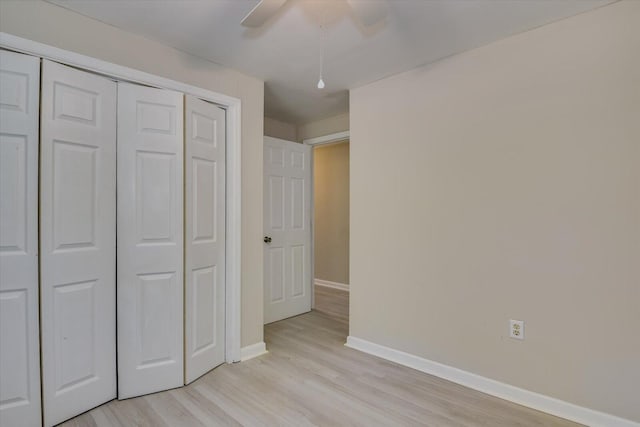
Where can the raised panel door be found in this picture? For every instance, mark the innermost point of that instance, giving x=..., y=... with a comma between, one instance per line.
x=19, y=330
x=150, y=240
x=77, y=228
x=205, y=237
x=287, y=208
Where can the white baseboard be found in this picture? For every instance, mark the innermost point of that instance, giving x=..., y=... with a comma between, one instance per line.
x=508, y=392
x=329, y=284
x=253, y=350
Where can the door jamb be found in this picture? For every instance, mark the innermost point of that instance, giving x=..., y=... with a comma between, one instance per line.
x=233, y=167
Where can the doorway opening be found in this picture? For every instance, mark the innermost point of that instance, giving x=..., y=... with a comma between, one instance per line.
x=306, y=227
x=331, y=229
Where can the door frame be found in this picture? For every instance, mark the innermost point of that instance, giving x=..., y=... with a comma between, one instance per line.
x=332, y=138
x=233, y=107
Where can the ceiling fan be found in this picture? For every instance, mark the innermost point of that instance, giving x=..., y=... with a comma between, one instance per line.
x=367, y=12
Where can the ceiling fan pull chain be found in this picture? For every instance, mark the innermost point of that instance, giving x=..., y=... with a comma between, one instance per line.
x=320, y=81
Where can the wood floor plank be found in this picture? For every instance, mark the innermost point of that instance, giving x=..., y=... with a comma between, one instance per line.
x=172, y=411
x=310, y=378
x=204, y=409
x=104, y=416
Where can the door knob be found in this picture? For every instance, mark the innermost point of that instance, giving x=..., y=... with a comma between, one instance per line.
x=267, y=239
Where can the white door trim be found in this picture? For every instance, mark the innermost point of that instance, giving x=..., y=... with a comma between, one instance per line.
x=327, y=139
x=234, y=182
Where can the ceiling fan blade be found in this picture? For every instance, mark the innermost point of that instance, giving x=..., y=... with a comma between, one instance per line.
x=369, y=12
x=261, y=13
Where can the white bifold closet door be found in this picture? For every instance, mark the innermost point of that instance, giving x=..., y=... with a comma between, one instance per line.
x=19, y=335
x=77, y=241
x=150, y=240
x=204, y=238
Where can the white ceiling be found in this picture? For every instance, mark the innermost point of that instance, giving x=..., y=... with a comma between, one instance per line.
x=286, y=51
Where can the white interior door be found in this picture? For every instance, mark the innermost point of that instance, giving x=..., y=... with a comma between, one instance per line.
x=287, y=224
x=150, y=240
x=19, y=331
x=204, y=237
x=77, y=241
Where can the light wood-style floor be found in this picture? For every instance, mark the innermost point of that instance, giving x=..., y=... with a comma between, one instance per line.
x=310, y=378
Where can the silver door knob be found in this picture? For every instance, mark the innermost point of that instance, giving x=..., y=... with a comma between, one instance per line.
x=267, y=239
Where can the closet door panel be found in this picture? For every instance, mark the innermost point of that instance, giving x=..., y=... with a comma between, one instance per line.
x=205, y=237
x=150, y=240
x=19, y=330
x=77, y=223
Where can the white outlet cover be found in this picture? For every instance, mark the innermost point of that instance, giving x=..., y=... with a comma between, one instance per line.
x=516, y=329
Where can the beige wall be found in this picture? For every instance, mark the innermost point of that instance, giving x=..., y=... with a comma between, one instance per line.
x=331, y=212
x=53, y=25
x=279, y=129
x=324, y=127
x=505, y=183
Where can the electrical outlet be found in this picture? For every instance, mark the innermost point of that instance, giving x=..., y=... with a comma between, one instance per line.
x=516, y=329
